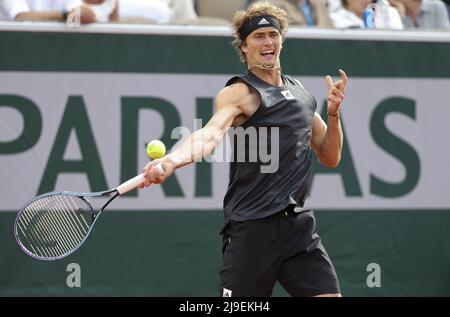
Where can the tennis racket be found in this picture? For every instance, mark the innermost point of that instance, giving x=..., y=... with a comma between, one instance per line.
x=54, y=225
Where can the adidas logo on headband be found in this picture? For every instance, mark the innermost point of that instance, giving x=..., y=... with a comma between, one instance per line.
x=263, y=21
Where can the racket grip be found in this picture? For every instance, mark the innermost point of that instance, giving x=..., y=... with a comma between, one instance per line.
x=135, y=182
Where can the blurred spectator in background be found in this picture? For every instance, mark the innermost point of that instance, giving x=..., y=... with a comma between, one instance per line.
x=350, y=15
x=182, y=10
x=388, y=15
x=44, y=10
x=424, y=14
x=144, y=11
x=156, y=11
x=305, y=12
x=105, y=10
x=315, y=12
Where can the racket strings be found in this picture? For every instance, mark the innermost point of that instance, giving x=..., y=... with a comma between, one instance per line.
x=54, y=225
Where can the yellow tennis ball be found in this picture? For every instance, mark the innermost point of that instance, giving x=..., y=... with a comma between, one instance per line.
x=156, y=149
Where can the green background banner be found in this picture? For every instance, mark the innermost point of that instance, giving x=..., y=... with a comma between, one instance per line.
x=138, y=53
x=176, y=251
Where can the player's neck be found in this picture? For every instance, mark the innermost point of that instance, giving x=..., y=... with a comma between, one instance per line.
x=271, y=76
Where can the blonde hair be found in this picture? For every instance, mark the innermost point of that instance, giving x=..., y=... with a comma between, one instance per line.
x=256, y=9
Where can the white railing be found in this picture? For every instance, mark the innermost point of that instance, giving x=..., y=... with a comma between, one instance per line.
x=194, y=30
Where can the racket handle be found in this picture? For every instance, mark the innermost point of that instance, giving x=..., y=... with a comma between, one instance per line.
x=135, y=182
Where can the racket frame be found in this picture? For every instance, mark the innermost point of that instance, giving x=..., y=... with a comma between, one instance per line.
x=122, y=189
x=95, y=214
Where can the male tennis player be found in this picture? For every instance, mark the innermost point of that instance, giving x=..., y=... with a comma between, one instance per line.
x=268, y=235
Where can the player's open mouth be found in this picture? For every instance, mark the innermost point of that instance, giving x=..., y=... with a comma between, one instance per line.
x=268, y=52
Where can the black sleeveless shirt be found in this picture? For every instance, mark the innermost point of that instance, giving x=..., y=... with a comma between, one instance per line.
x=253, y=194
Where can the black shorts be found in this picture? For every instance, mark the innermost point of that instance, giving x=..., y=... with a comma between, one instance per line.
x=283, y=247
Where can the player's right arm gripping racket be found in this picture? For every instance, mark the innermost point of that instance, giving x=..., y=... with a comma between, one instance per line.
x=53, y=225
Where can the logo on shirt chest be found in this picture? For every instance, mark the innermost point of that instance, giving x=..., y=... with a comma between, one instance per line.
x=287, y=94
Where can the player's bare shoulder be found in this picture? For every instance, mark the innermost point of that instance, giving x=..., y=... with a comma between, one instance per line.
x=242, y=96
x=233, y=94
